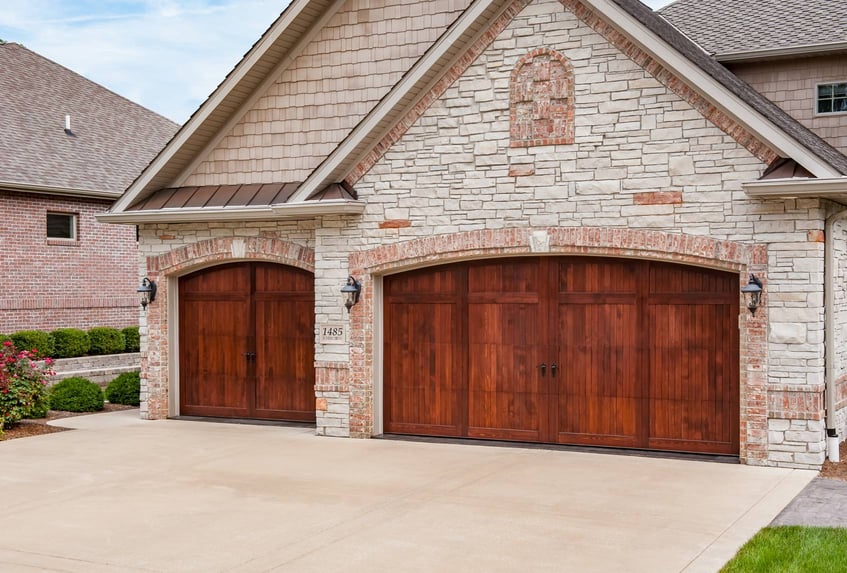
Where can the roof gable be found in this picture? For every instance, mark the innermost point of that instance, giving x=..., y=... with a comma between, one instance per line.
x=111, y=139
x=637, y=31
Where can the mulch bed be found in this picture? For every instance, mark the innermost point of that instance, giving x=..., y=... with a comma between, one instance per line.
x=839, y=470
x=27, y=428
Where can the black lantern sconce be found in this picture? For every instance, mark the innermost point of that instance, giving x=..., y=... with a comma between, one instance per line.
x=148, y=292
x=752, y=293
x=351, y=290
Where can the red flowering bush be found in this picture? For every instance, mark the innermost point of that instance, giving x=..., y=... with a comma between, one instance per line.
x=23, y=383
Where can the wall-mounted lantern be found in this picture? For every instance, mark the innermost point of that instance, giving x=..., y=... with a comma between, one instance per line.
x=752, y=293
x=351, y=290
x=147, y=288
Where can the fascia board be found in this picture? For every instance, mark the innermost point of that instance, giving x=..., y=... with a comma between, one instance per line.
x=796, y=187
x=267, y=213
x=209, y=106
x=712, y=89
x=769, y=53
x=317, y=178
x=63, y=191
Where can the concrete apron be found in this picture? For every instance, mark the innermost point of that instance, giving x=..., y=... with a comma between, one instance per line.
x=120, y=494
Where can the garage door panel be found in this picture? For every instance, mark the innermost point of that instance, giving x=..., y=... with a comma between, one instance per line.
x=422, y=375
x=285, y=343
x=210, y=361
x=692, y=386
x=599, y=397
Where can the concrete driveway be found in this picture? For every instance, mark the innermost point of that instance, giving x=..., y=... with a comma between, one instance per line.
x=119, y=494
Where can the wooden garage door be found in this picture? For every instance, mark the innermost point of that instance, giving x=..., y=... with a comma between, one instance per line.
x=569, y=350
x=246, y=342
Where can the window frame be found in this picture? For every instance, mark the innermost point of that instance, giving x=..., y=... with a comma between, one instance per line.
x=74, y=227
x=817, y=98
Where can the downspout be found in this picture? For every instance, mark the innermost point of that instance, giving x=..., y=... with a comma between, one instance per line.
x=832, y=441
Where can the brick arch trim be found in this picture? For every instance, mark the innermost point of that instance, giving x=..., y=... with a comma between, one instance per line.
x=224, y=249
x=545, y=116
x=636, y=243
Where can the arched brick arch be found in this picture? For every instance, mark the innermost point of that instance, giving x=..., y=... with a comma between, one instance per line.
x=155, y=367
x=541, y=100
x=635, y=243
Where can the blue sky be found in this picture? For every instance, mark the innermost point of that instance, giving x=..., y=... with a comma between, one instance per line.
x=167, y=55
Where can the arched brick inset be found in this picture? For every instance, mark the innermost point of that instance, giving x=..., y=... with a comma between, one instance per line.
x=210, y=251
x=636, y=243
x=541, y=100
x=155, y=354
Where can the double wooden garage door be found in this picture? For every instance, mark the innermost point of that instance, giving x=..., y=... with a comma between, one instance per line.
x=246, y=342
x=575, y=350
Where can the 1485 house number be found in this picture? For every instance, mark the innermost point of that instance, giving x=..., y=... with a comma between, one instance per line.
x=330, y=333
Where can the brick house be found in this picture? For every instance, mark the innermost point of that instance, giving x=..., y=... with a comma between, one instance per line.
x=69, y=148
x=550, y=208
x=795, y=56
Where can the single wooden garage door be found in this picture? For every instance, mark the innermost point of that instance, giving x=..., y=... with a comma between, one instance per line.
x=570, y=350
x=246, y=342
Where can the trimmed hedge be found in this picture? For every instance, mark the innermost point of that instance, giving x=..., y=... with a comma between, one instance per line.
x=69, y=342
x=76, y=394
x=125, y=389
x=132, y=338
x=106, y=340
x=36, y=340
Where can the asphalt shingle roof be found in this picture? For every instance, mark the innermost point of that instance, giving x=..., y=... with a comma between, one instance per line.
x=112, y=141
x=730, y=26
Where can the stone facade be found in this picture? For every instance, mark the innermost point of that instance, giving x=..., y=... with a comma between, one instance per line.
x=653, y=172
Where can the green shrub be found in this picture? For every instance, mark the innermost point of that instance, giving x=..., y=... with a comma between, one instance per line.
x=4, y=338
x=76, y=394
x=36, y=340
x=40, y=406
x=23, y=384
x=70, y=343
x=132, y=338
x=125, y=389
x=105, y=340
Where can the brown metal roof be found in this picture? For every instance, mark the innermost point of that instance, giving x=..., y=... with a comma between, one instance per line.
x=110, y=142
x=253, y=195
x=785, y=168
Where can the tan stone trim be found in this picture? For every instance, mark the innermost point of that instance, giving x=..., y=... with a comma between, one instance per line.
x=637, y=243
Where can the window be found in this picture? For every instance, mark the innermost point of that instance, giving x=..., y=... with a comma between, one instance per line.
x=61, y=226
x=832, y=98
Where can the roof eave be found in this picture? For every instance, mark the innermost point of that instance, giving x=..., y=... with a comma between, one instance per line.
x=63, y=191
x=301, y=210
x=774, y=53
x=834, y=189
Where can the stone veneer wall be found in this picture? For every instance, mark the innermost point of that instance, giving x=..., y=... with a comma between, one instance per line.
x=839, y=239
x=646, y=176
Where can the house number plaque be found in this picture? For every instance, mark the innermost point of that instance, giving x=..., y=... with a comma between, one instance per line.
x=332, y=333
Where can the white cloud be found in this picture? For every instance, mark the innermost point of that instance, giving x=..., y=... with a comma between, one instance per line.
x=166, y=55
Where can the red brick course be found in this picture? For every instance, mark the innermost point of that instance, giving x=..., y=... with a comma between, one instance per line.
x=57, y=284
x=658, y=198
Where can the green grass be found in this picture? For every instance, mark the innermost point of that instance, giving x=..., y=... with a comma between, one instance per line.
x=793, y=550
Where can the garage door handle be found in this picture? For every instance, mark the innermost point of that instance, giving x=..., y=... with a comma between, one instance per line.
x=543, y=367
x=553, y=368
x=250, y=356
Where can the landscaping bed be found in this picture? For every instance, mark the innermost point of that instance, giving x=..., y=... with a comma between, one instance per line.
x=37, y=427
x=839, y=470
